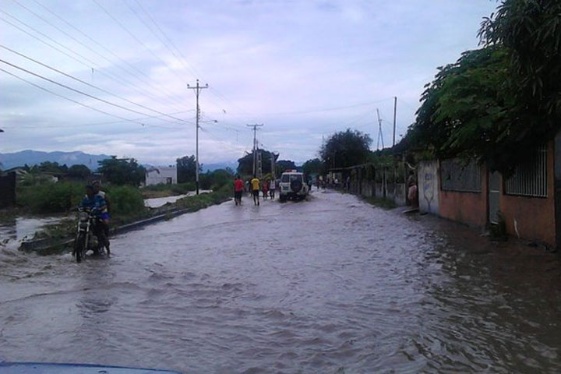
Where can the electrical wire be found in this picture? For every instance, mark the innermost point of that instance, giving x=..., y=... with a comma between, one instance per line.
x=89, y=63
x=71, y=89
x=132, y=35
x=90, y=85
x=69, y=99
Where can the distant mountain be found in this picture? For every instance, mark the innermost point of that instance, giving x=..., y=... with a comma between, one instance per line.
x=11, y=160
x=221, y=165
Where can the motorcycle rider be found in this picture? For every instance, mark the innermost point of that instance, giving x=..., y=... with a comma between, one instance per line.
x=98, y=191
x=95, y=202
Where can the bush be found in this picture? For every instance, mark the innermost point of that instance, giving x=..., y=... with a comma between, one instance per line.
x=183, y=188
x=125, y=201
x=216, y=179
x=194, y=203
x=50, y=197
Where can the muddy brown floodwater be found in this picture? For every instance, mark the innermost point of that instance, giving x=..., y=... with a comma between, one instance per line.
x=330, y=285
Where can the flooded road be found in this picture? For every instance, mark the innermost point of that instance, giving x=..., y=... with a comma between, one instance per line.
x=330, y=285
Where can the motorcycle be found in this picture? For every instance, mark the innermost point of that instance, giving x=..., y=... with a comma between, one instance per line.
x=90, y=235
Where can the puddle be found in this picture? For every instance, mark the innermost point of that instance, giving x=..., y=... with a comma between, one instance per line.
x=21, y=228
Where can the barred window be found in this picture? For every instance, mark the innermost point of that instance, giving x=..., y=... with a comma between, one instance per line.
x=530, y=177
x=457, y=175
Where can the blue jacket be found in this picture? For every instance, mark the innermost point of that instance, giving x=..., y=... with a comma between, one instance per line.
x=95, y=202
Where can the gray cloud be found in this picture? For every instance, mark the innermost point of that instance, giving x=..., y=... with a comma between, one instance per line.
x=305, y=69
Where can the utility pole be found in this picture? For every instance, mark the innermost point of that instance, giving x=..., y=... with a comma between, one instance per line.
x=380, y=134
x=394, y=117
x=197, y=89
x=255, y=147
x=273, y=164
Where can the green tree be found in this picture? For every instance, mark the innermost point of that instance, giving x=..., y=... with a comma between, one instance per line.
x=49, y=167
x=214, y=180
x=314, y=166
x=530, y=33
x=245, y=164
x=79, y=171
x=344, y=149
x=283, y=165
x=464, y=111
x=187, y=169
x=125, y=171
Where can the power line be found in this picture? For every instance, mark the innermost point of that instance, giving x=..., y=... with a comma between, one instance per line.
x=88, y=84
x=122, y=81
x=69, y=99
x=132, y=35
x=89, y=63
x=168, y=44
x=72, y=89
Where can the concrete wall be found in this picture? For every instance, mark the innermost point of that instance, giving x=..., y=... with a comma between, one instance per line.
x=532, y=218
x=367, y=189
x=428, y=187
x=400, y=195
x=161, y=175
x=529, y=218
x=467, y=207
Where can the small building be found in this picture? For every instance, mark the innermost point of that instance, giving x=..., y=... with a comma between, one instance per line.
x=161, y=175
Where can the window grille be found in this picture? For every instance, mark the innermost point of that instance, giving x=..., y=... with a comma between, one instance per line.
x=458, y=176
x=530, y=177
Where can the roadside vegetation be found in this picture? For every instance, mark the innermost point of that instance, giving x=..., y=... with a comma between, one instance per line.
x=39, y=194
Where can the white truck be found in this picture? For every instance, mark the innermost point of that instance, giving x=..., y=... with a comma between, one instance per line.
x=293, y=186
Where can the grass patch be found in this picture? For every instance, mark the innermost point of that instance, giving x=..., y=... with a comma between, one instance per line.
x=204, y=200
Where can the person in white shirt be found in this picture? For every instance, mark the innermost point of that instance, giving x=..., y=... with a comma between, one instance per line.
x=272, y=187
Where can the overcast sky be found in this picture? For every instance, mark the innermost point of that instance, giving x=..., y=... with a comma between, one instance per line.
x=110, y=77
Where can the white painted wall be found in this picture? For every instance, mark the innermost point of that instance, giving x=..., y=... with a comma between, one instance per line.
x=161, y=175
x=428, y=185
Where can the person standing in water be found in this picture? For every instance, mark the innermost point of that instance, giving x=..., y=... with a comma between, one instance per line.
x=255, y=189
x=238, y=190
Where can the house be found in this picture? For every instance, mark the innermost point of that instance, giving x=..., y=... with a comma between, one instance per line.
x=161, y=175
x=524, y=203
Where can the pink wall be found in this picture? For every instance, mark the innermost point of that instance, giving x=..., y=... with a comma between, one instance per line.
x=533, y=217
x=466, y=207
x=525, y=217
